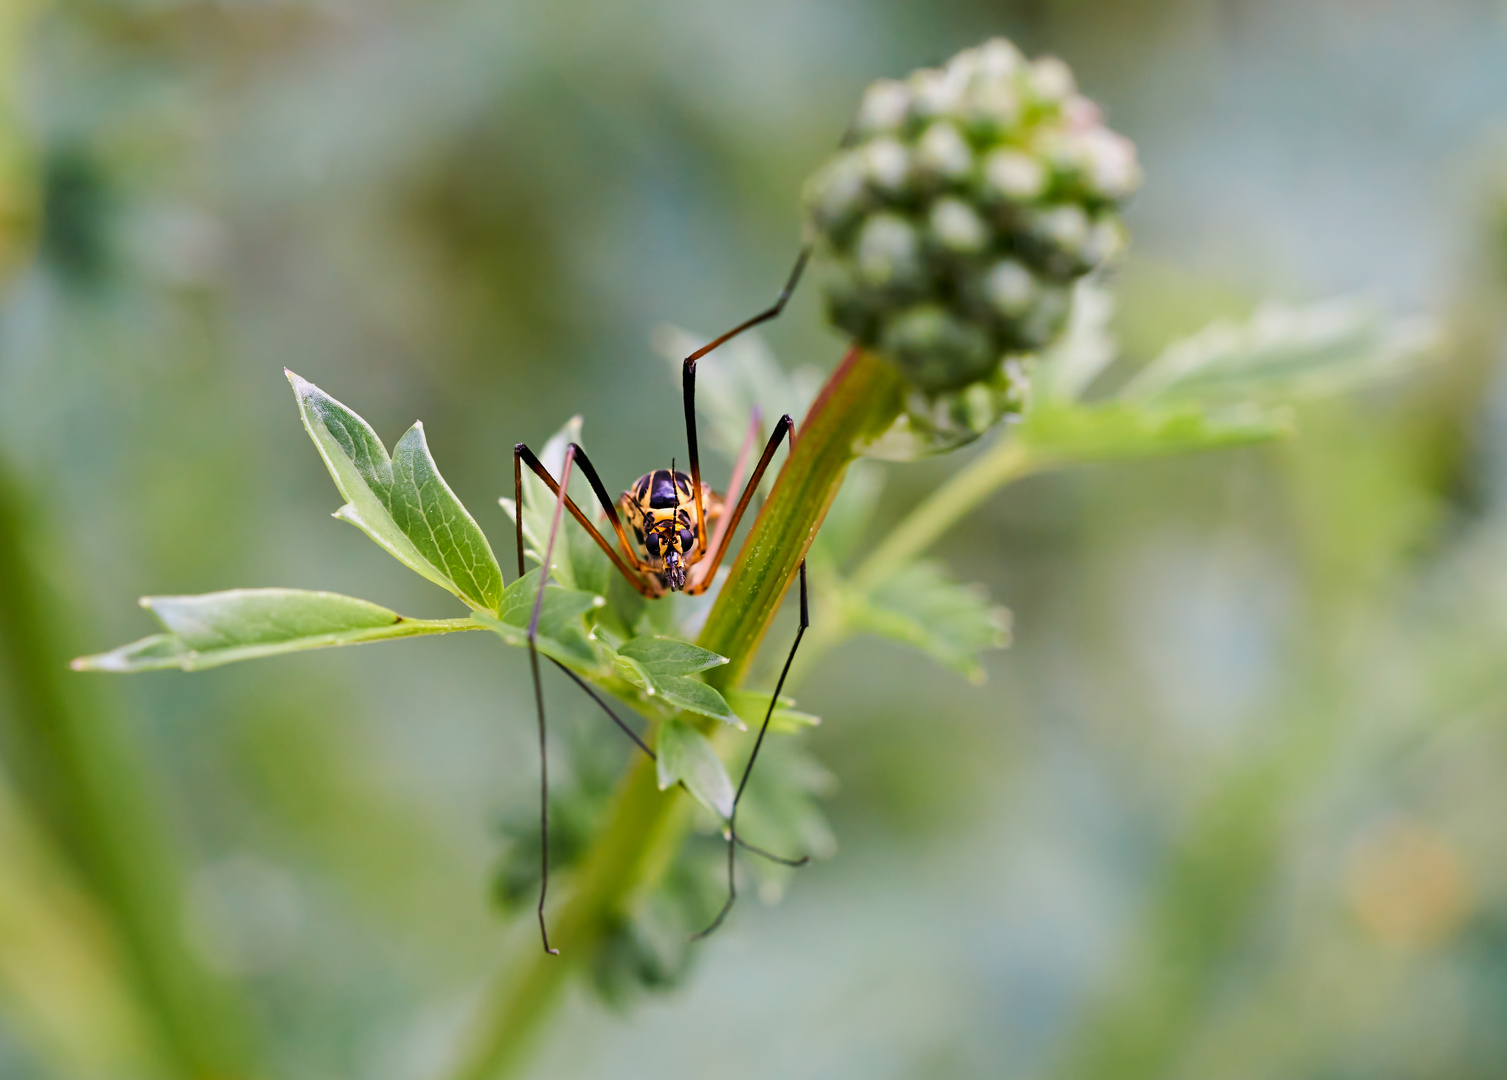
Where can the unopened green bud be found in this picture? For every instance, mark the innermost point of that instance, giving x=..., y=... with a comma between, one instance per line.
x=887, y=167
x=957, y=227
x=885, y=108
x=1050, y=81
x=954, y=225
x=930, y=344
x=943, y=155
x=1014, y=176
x=888, y=254
x=1010, y=288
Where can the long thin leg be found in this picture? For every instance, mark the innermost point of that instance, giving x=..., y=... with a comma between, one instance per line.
x=786, y=426
x=732, y=819
x=619, y=721
x=533, y=657
x=518, y=511
x=608, y=506
x=688, y=374
x=735, y=483
x=522, y=455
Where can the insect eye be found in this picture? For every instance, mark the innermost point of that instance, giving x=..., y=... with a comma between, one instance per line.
x=685, y=540
x=651, y=545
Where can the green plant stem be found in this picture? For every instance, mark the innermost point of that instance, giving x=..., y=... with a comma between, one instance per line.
x=644, y=826
x=859, y=401
x=1005, y=462
x=73, y=767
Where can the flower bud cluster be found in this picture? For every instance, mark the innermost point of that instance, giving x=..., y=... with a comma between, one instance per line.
x=968, y=201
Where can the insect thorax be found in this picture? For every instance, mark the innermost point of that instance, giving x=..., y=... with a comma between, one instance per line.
x=661, y=509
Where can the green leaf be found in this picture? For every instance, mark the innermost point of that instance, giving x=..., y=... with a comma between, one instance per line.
x=243, y=624
x=401, y=502
x=589, y=565
x=750, y=705
x=666, y=656
x=695, y=696
x=633, y=672
x=1285, y=351
x=1110, y=430
x=921, y=607
x=562, y=631
x=686, y=757
x=780, y=811
x=661, y=667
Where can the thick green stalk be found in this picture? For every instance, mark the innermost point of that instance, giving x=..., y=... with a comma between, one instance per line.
x=71, y=764
x=646, y=827
x=860, y=401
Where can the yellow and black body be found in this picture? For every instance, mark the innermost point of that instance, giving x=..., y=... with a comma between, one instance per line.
x=661, y=508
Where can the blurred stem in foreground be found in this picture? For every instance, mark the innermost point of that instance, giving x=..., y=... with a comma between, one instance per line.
x=61, y=974
x=645, y=827
x=97, y=980
x=69, y=761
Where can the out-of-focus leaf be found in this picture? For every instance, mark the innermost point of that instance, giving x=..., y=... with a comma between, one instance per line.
x=244, y=624
x=780, y=812
x=1085, y=349
x=685, y=756
x=1287, y=351
x=578, y=796
x=590, y=568
x=562, y=633
x=1109, y=430
x=921, y=607
x=751, y=704
x=733, y=380
x=401, y=501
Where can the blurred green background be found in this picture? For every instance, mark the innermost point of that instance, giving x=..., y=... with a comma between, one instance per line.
x=1231, y=804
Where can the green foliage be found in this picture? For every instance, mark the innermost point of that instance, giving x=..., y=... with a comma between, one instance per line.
x=686, y=757
x=401, y=502
x=1228, y=384
x=1117, y=430
x=660, y=667
x=561, y=633
x=785, y=718
x=781, y=811
x=244, y=624
x=1284, y=352
x=922, y=607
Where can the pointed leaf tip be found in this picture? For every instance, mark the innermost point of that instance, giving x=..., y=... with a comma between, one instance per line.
x=243, y=624
x=400, y=500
